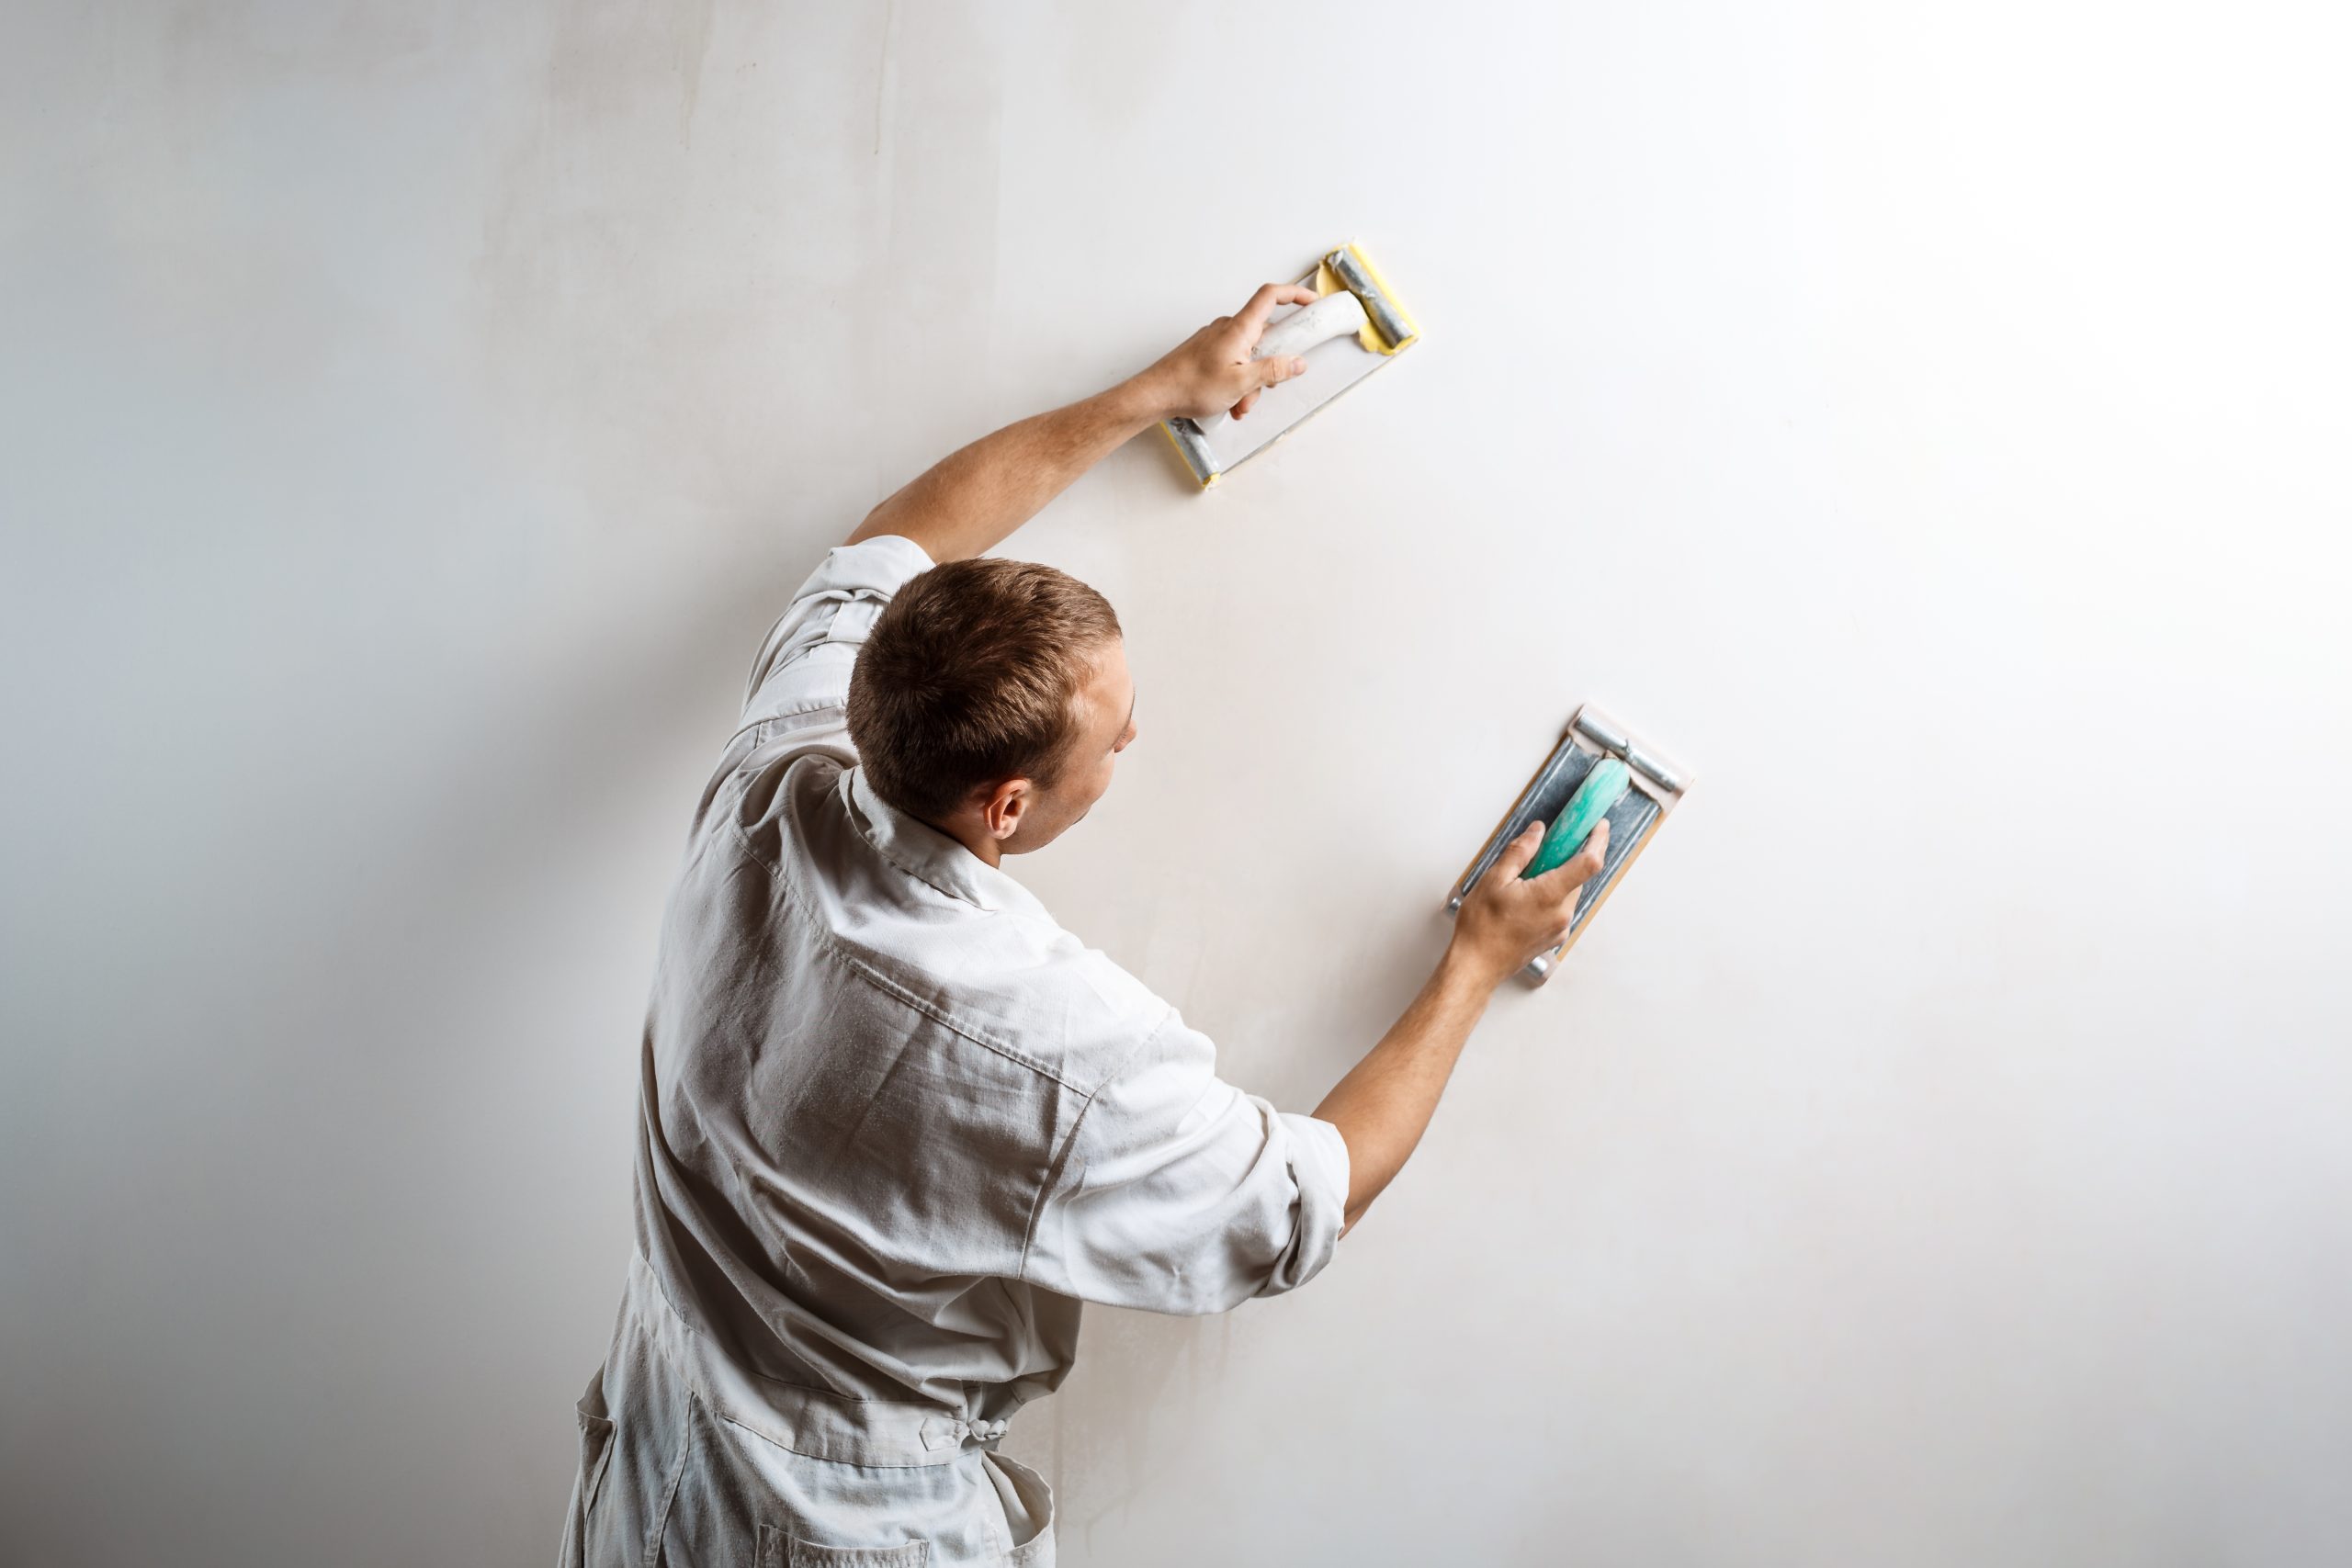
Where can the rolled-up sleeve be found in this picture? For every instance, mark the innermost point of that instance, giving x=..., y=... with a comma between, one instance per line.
x=1179, y=1193
x=804, y=662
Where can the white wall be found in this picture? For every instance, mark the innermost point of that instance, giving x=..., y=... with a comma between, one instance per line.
x=1930, y=425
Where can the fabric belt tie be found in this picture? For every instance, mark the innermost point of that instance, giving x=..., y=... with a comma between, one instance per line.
x=938, y=1431
x=873, y=1432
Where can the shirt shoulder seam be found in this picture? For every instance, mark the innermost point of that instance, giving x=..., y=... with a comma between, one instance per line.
x=873, y=978
x=819, y=704
x=761, y=678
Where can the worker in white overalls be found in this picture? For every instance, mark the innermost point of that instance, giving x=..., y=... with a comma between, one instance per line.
x=896, y=1124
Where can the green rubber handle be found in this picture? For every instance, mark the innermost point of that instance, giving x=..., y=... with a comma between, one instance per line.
x=1602, y=788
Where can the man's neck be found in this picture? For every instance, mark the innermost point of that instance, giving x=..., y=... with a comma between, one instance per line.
x=982, y=842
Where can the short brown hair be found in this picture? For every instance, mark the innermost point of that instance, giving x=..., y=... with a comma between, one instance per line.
x=969, y=677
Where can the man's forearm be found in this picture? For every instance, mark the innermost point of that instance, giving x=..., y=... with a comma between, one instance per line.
x=966, y=504
x=1385, y=1103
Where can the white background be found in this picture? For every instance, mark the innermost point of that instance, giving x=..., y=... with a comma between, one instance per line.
x=1927, y=423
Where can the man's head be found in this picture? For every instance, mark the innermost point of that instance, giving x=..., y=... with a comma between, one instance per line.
x=990, y=701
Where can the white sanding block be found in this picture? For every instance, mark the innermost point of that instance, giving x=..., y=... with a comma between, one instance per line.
x=1356, y=325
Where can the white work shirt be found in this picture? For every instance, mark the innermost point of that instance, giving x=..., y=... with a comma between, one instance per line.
x=896, y=1125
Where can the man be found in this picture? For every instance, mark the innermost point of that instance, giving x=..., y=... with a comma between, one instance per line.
x=896, y=1124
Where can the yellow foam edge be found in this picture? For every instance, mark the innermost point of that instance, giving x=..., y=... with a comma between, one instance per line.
x=1186, y=461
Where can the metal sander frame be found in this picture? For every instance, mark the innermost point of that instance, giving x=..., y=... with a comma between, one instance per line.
x=1658, y=787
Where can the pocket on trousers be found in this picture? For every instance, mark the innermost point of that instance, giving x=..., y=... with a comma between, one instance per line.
x=781, y=1548
x=595, y=1442
x=595, y=1454
x=1037, y=1501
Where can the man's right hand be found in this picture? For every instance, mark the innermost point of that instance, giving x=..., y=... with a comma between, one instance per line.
x=1213, y=370
x=1383, y=1106
x=1508, y=919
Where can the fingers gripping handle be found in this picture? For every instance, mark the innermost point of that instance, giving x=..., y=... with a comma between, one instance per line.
x=1334, y=315
x=1602, y=788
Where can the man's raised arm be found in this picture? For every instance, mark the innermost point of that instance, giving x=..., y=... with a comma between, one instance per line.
x=966, y=503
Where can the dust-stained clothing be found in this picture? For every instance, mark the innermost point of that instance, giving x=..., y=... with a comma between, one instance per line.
x=895, y=1126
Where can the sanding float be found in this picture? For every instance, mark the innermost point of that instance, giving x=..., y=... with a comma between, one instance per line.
x=1355, y=326
x=1598, y=772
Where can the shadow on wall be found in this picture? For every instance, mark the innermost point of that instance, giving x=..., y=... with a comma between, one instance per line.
x=1087, y=1440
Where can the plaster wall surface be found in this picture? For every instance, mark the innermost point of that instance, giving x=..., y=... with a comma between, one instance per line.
x=1926, y=422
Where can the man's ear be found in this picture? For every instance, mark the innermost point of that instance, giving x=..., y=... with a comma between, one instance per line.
x=1003, y=810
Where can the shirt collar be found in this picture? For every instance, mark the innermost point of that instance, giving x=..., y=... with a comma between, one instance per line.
x=929, y=856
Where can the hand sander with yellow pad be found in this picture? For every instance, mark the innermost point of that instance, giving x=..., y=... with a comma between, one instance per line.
x=1356, y=326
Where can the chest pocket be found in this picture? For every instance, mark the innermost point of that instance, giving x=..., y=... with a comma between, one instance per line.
x=779, y=1549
